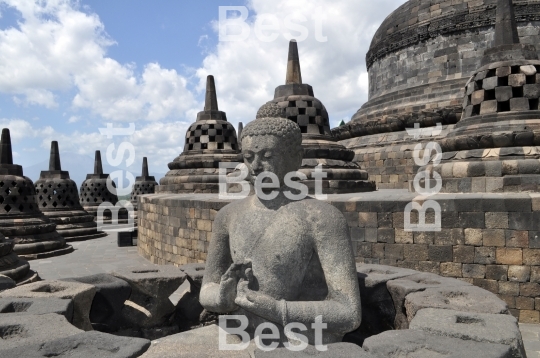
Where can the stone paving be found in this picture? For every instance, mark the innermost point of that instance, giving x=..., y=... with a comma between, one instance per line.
x=103, y=255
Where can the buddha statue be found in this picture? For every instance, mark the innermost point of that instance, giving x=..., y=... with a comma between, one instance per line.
x=274, y=258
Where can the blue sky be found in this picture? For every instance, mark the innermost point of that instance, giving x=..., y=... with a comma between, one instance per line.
x=69, y=67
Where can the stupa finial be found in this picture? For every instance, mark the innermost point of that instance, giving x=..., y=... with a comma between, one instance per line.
x=211, y=103
x=54, y=159
x=145, y=167
x=6, y=155
x=294, y=74
x=506, y=32
x=98, y=167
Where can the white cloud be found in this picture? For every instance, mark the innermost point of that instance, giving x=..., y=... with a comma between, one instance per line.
x=248, y=71
x=58, y=47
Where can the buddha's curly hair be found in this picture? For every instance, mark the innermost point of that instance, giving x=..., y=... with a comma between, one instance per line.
x=283, y=128
x=271, y=110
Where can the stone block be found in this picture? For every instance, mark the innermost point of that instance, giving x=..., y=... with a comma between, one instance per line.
x=535, y=274
x=519, y=104
x=488, y=285
x=400, y=288
x=504, y=71
x=529, y=316
x=490, y=83
x=473, y=271
x=464, y=254
x=415, y=252
x=488, y=107
x=81, y=294
x=497, y=272
x=83, y=345
x=477, y=97
x=367, y=219
x=496, y=220
x=22, y=330
x=531, y=257
x=531, y=91
x=473, y=237
x=525, y=303
x=515, y=238
x=528, y=70
x=37, y=306
x=194, y=274
x=507, y=256
x=484, y=255
x=477, y=327
x=504, y=93
x=509, y=288
x=529, y=289
x=440, y=253
x=415, y=343
x=517, y=80
x=450, y=269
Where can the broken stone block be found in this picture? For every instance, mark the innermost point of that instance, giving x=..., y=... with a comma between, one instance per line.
x=37, y=306
x=81, y=294
x=194, y=274
x=400, y=288
x=83, y=345
x=111, y=293
x=478, y=327
x=465, y=298
x=6, y=283
x=412, y=343
x=22, y=330
x=149, y=304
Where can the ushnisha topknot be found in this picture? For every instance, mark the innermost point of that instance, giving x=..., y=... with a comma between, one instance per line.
x=271, y=110
x=279, y=127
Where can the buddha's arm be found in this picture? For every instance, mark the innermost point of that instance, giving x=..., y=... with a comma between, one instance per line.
x=220, y=277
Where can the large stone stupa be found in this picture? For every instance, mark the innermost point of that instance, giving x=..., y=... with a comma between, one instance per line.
x=21, y=221
x=210, y=141
x=58, y=199
x=320, y=147
x=494, y=148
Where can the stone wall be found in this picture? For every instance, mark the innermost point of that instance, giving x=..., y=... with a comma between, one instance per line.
x=490, y=240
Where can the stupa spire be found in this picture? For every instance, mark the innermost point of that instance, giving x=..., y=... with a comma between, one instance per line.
x=6, y=155
x=98, y=167
x=145, y=167
x=294, y=74
x=506, y=32
x=211, y=103
x=54, y=159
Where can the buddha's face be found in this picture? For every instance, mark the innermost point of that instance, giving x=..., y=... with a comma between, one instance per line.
x=270, y=154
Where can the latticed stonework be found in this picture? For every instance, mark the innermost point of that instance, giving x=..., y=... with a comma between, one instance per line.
x=320, y=147
x=21, y=221
x=494, y=148
x=58, y=198
x=211, y=135
x=145, y=184
x=211, y=140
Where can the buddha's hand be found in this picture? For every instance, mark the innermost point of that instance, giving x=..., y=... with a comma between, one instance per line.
x=228, y=284
x=255, y=302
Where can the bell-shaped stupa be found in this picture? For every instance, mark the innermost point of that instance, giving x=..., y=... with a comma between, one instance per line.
x=58, y=199
x=145, y=184
x=94, y=192
x=12, y=265
x=494, y=148
x=320, y=147
x=211, y=140
x=21, y=221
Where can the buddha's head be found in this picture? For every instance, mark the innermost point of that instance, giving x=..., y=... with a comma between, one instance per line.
x=272, y=144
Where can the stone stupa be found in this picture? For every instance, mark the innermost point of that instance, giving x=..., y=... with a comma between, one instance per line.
x=145, y=184
x=320, y=147
x=494, y=148
x=21, y=221
x=94, y=192
x=210, y=141
x=58, y=199
x=12, y=265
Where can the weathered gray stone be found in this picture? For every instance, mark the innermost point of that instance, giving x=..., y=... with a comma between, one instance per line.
x=37, y=306
x=194, y=273
x=111, y=293
x=6, y=283
x=479, y=327
x=81, y=294
x=400, y=288
x=151, y=289
x=465, y=298
x=197, y=343
x=22, y=330
x=83, y=345
x=281, y=260
x=412, y=344
x=335, y=350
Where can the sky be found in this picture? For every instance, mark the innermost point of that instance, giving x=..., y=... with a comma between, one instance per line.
x=68, y=68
